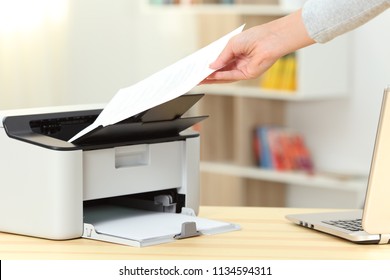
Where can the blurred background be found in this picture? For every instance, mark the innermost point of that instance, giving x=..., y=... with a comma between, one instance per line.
x=62, y=52
x=56, y=52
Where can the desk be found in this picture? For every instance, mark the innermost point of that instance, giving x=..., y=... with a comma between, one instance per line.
x=265, y=234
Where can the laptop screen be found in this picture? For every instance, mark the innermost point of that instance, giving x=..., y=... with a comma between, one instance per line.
x=376, y=213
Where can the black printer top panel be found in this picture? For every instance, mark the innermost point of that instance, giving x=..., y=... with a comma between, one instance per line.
x=158, y=124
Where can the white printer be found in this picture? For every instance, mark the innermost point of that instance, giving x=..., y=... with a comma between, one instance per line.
x=135, y=182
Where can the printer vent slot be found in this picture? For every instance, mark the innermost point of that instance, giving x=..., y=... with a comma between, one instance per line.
x=61, y=128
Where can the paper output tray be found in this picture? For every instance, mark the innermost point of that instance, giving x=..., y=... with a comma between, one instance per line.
x=141, y=228
x=161, y=121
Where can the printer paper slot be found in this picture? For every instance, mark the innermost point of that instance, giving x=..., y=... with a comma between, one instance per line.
x=140, y=228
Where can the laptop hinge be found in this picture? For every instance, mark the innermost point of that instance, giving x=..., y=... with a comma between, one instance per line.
x=384, y=238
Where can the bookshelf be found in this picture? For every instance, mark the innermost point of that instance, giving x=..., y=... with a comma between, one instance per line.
x=229, y=175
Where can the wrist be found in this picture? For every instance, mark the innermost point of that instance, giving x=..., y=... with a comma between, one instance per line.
x=290, y=34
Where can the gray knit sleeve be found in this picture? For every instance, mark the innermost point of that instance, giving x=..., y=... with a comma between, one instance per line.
x=326, y=19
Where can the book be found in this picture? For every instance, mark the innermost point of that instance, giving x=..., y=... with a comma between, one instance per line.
x=281, y=75
x=265, y=152
x=281, y=149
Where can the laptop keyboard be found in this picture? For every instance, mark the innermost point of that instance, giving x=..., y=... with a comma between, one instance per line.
x=351, y=225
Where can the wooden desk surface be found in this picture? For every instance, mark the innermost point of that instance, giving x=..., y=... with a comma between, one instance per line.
x=265, y=234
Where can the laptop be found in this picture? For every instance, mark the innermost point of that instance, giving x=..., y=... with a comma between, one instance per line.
x=372, y=224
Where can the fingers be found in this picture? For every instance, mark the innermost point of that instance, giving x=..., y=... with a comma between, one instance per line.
x=224, y=77
x=225, y=57
x=208, y=82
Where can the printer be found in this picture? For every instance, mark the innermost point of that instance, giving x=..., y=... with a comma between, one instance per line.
x=135, y=182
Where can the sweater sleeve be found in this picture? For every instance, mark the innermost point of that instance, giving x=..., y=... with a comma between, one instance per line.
x=326, y=19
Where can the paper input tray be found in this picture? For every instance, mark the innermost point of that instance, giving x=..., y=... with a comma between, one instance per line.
x=141, y=228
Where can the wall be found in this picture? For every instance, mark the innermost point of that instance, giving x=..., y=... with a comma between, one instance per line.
x=114, y=44
x=87, y=53
x=32, y=53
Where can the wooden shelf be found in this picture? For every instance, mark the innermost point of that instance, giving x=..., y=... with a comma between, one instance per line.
x=253, y=92
x=346, y=183
x=246, y=91
x=221, y=9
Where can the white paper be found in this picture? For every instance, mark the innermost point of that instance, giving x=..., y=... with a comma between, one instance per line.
x=167, y=84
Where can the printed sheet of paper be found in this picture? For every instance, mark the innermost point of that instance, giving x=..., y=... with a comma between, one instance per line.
x=167, y=84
